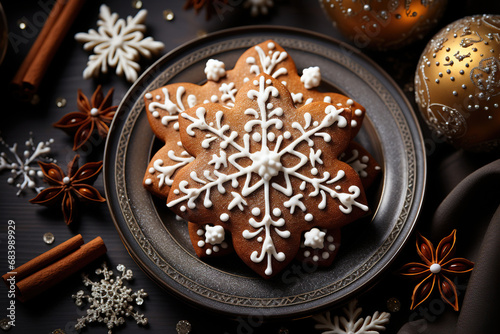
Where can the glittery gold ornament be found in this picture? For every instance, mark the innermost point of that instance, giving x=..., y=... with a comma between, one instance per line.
x=384, y=24
x=457, y=83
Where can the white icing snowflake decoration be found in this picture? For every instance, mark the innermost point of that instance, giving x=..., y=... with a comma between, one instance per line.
x=352, y=323
x=110, y=300
x=259, y=6
x=23, y=167
x=311, y=77
x=253, y=155
x=117, y=43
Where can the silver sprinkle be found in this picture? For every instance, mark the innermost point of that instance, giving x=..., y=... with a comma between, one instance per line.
x=183, y=327
x=48, y=238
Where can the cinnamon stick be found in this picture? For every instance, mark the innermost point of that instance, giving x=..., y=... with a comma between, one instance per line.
x=33, y=68
x=49, y=276
x=45, y=259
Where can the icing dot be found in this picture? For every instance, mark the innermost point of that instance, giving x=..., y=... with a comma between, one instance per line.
x=349, y=102
x=158, y=97
x=331, y=247
x=329, y=238
x=287, y=134
x=276, y=212
x=149, y=96
x=256, y=137
x=216, y=249
x=255, y=211
x=255, y=82
x=269, y=106
x=358, y=112
x=224, y=217
x=200, y=232
x=259, y=239
x=325, y=255
x=182, y=208
x=314, y=171
x=268, y=81
x=208, y=251
x=354, y=123
x=250, y=60
x=338, y=188
x=214, y=98
x=152, y=170
x=148, y=182
x=315, y=258
x=315, y=123
x=309, y=217
x=224, y=245
x=176, y=191
x=245, y=80
x=201, y=243
x=156, y=114
x=270, y=45
x=307, y=253
x=271, y=136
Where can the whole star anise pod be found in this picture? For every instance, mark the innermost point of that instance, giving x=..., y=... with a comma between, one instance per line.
x=438, y=264
x=68, y=190
x=93, y=115
x=212, y=6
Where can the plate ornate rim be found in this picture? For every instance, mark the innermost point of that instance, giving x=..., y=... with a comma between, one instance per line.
x=145, y=252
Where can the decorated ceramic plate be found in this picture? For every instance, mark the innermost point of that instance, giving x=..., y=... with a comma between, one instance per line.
x=160, y=243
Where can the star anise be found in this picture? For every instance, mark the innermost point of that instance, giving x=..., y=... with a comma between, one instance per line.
x=212, y=6
x=68, y=190
x=438, y=264
x=93, y=115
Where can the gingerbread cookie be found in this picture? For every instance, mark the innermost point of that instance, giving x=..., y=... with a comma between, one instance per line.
x=362, y=162
x=163, y=105
x=210, y=240
x=319, y=246
x=267, y=172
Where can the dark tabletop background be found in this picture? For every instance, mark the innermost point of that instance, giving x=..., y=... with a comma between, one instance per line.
x=55, y=308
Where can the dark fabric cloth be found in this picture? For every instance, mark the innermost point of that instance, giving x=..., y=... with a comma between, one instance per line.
x=473, y=208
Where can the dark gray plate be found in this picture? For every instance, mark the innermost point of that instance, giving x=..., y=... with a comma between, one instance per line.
x=160, y=244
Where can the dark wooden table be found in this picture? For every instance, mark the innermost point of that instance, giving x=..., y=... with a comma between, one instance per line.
x=55, y=308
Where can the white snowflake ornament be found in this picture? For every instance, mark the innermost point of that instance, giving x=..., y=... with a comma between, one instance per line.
x=352, y=323
x=110, y=300
x=259, y=6
x=23, y=166
x=117, y=43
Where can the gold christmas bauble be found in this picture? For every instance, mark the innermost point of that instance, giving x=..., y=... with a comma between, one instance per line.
x=384, y=24
x=457, y=83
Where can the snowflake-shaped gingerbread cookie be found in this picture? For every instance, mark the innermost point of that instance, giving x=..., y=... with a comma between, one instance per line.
x=164, y=104
x=267, y=172
x=117, y=43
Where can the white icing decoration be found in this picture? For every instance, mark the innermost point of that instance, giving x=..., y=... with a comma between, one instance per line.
x=314, y=238
x=268, y=63
x=358, y=112
x=201, y=243
x=172, y=108
x=297, y=98
x=215, y=69
x=358, y=164
x=311, y=77
x=117, y=43
x=214, y=235
x=165, y=173
x=224, y=217
x=200, y=232
x=266, y=163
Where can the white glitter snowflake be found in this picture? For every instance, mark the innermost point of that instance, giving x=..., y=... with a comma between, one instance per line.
x=117, y=43
x=23, y=166
x=259, y=6
x=110, y=300
x=352, y=324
